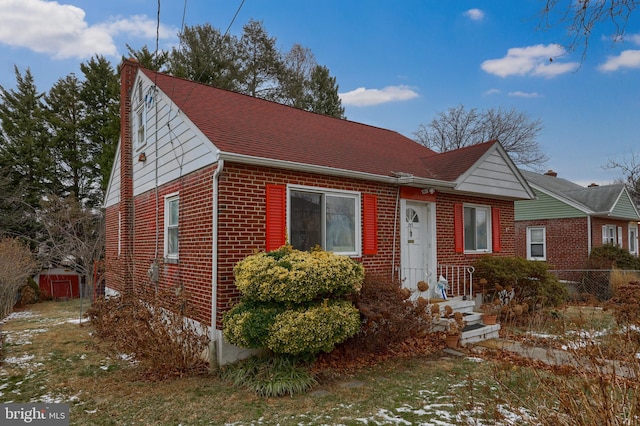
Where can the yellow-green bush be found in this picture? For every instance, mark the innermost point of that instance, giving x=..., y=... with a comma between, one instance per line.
x=293, y=276
x=292, y=301
x=316, y=329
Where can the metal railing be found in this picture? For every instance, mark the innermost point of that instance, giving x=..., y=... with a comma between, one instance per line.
x=458, y=279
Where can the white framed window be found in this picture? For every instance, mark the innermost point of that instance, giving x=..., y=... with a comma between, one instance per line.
x=477, y=229
x=620, y=236
x=536, y=243
x=326, y=218
x=139, y=120
x=609, y=235
x=139, y=128
x=171, y=222
x=633, y=239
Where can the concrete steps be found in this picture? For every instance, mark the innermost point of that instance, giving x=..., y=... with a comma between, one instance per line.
x=474, y=330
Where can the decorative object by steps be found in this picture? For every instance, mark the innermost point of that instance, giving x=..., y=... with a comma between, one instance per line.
x=490, y=319
x=490, y=311
x=454, y=328
x=451, y=340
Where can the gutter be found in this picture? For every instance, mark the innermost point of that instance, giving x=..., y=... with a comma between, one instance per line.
x=332, y=171
x=213, y=345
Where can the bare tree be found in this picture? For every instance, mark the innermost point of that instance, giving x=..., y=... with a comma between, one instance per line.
x=74, y=236
x=459, y=127
x=582, y=16
x=16, y=265
x=630, y=168
x=298, y=65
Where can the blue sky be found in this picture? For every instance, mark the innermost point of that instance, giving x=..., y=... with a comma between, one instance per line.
x=397, y=63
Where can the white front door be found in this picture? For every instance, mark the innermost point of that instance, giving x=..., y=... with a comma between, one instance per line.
x=417, y=240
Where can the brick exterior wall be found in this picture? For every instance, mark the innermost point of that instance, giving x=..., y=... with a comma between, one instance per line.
x=567, y=240
x=241, y=229
x=242, y=204
x=445, y=228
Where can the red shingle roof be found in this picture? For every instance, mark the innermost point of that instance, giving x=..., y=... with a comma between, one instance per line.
x=242, y=124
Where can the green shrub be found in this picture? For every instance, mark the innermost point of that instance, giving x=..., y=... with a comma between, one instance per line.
x=530, y=280
x=247, y=324
x=293, y=301
x=293, y=276
x=610, y=257
x=314, y=329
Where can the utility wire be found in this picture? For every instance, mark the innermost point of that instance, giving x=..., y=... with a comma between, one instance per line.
x=216, y=51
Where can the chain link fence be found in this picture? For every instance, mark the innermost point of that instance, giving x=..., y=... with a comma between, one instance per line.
x=586, y=284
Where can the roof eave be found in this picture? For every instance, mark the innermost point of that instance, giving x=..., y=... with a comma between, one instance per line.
x=332, y=171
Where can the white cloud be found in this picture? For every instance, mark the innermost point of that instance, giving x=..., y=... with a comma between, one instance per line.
x=519, y=94
x=368, y=97
x=61, y=31
x=138, y=25
x=626, y=59
x=538, y=60
x=492, y=92
x=474, y=14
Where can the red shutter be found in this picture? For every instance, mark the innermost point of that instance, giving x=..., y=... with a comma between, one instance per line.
x=276, y=223
x=458, y=227
x=495, y=229
x=370, y=224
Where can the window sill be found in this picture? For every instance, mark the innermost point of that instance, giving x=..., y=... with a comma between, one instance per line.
x=171, y=260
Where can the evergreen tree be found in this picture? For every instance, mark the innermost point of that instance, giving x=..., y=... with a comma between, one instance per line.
x=254, y=66
x=25, y=146
x=323, y=94
x=149, y=60
x=27, y=168
x=100, y=95
x=259, y=62
x=206, y=56
x=64, y=114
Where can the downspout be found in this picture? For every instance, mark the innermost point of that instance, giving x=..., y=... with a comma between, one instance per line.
x=395, y=230
x=589, y=235
x=213, y=345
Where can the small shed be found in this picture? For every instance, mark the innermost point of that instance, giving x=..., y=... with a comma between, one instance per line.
x=58, y=283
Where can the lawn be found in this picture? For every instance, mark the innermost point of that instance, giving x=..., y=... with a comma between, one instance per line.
x=49, y=356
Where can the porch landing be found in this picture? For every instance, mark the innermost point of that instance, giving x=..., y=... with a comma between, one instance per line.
x=474, y=330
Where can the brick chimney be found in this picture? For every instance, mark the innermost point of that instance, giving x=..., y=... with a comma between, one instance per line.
x=551, y=173
x=128, y=71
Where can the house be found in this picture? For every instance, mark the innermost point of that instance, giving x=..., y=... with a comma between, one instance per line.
x=566, y=221
x=205, y=177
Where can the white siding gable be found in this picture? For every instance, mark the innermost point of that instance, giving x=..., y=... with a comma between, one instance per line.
x=174, y=146
x=495, y=174
x=113, y=189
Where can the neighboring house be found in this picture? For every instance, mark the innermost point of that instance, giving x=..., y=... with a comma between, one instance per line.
x=567, y=220
x=205, y=177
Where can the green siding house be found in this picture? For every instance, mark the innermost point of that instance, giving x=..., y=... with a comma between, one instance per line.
x=565, y=220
